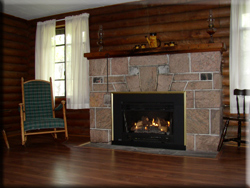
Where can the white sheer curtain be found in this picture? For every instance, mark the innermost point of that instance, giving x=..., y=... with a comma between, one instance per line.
x=239, y=58
x=45, y=50
x=77, y=67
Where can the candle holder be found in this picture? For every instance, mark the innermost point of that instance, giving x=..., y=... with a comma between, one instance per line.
x=100, y=38
x=211, y=30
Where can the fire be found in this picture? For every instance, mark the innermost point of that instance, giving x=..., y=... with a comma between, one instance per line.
x=155, y=125
x=168, y=123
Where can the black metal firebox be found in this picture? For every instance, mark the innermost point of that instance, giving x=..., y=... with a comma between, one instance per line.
x=150, y=119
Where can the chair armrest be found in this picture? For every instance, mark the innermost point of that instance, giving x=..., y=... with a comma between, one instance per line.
x=60, y=106
x=20, y=106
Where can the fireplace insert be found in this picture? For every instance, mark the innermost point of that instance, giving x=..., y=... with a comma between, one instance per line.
x=149, y=119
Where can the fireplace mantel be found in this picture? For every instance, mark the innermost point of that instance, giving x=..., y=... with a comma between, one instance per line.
x=209, y=47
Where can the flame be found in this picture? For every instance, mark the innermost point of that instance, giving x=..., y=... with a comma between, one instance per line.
x=168, y=123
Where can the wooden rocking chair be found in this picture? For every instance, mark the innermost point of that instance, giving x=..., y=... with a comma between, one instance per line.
x=37, y=111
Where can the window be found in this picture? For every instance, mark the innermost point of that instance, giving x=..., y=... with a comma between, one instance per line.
x=59, y=84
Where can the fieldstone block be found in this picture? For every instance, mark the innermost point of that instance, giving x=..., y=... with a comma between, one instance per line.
x=186, y=77
x=207, y=143
x=198, y=85
x=103, y=87
x=208, y=99
x=189, y=99
x=96, y=99
x=98, y=67
x=99, y=136
x=205, y=61
x=178, y=63
x=148, y=78
x=133, y=71
x=92, y=117
x=133, y=83
x=163, y=69
x=190, y=142
x=121, y=87
x=148, y=60
x=178, y=86
x=114, y=79
x=216, y=121
x=217, y=81
x=90, y=84
x=197, y=121
x=119, y=66
x=164, y=82
x=103, y=118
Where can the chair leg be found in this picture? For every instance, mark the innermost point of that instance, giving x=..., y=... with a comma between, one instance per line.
x=24, y=138
x=6, y=139
x=223, y=134
x=239, y=134
x=55, y=135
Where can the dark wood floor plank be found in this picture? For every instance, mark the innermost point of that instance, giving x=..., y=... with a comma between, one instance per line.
x=46, y=162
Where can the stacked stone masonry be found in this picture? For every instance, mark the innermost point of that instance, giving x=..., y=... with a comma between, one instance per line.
x=198, y=74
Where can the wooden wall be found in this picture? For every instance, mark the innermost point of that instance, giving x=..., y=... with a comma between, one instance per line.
x=124, y=26
x=14, y=66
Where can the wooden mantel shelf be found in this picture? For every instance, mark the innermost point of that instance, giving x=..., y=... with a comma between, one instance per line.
x=161, y=50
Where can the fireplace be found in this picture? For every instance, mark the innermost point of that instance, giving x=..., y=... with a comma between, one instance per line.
x=193, y=69
x=149, y=119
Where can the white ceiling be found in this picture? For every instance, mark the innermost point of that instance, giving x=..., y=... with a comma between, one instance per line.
x=32, y=9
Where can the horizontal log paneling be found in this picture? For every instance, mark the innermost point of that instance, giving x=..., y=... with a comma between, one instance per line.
x=182, y=21
x=13, y=59
x=14, y=66
x=14, y=21
x=11, y=82
x=15, y=45
x=12, y=89
x=11, y=97
x=168, y=18
x=14, y=37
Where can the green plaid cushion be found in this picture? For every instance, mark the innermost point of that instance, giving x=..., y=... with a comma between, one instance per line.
x=37, y=96
x=38, y=107
x=43, y=124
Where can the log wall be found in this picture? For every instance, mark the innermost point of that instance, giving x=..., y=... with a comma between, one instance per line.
x=124, y=26
x=14, y=63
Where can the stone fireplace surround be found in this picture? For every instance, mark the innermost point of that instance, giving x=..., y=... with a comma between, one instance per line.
x=197, y=73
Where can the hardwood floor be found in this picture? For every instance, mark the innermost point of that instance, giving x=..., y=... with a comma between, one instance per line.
x=48, y=163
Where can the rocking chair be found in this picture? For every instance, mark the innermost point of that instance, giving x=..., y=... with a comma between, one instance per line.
x=37, y=111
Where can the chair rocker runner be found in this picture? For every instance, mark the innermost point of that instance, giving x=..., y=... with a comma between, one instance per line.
x=240, y=118
x=37, y=111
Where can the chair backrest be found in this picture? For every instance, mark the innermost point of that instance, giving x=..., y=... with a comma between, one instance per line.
x=243, y=93
x=37, y=99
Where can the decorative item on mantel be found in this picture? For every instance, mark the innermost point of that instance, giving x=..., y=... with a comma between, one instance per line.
x=211, y=30
x=100, y=38
x=153, y=41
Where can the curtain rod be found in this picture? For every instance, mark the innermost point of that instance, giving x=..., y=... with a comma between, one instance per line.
x=60, y=20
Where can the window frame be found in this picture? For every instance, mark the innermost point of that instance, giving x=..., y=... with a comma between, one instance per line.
x=64, y=62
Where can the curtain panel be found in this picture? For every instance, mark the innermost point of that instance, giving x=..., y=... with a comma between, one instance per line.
x=239, y=55
x=77, y=67
x=45, y=50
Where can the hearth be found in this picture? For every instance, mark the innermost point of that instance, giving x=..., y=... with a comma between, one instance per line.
x=153, y=119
